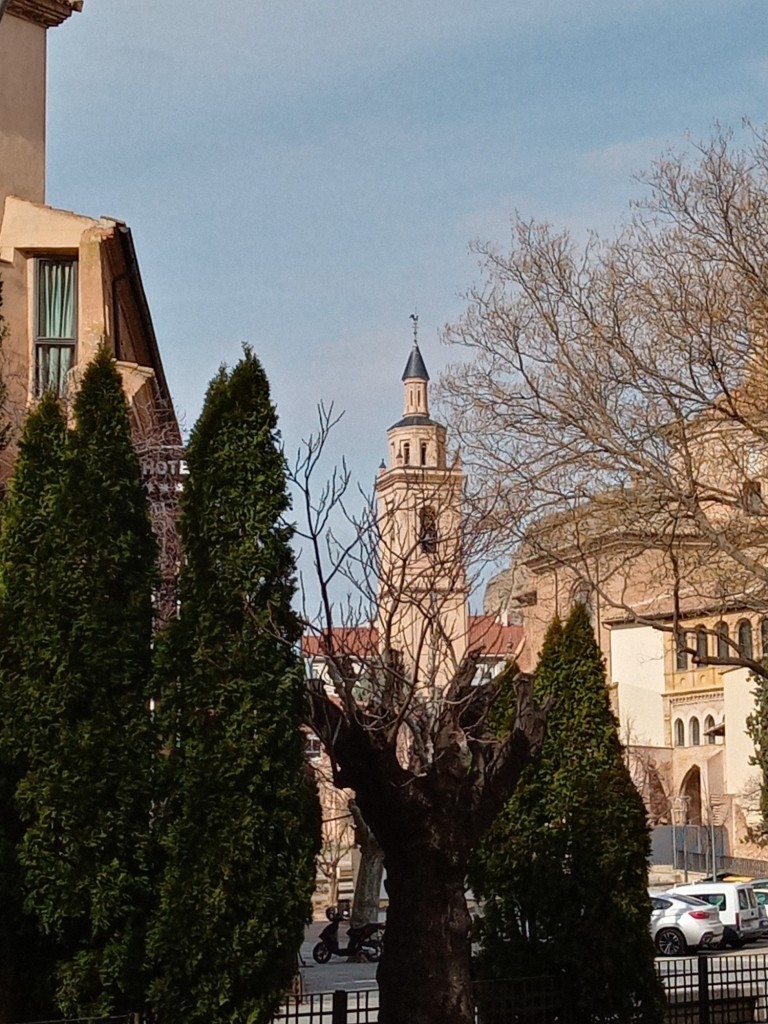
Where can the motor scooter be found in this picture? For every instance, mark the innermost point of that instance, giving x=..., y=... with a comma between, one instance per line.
x=359, y=940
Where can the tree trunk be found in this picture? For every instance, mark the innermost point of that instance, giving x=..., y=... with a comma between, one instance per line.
x=424, y=974
x=365, y=907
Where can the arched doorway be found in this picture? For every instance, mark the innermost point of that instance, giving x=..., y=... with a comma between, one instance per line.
x=690, y=792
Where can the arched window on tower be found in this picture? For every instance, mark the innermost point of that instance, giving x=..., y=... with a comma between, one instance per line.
x=423, y=453
x=679, y=733
x=764, y=637
x=745, y=638
x=406, y=453
x=681, y=651
x=694, y=733
x=702, y=643
x=723, y=647
x=709, y=725
x=428, y=530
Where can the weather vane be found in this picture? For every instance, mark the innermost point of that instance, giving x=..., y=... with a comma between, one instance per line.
x=415, y=318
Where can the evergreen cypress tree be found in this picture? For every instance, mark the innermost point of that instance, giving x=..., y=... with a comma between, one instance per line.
x=27, y=957
x=236, y=826
x=84, y=797
x=564, y=869
x=757, y=730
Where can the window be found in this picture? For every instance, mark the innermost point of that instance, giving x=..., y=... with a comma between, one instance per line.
x=679, y=733
x=764, y=637
x=423, y=453
x=313, y=747
x=709, y=725
x=745, y=638
x=681, y=654
x=694, y=733
x=752, y=498
x=702, y=644
x=723, y=647
x=428, y=530
x=55, y=323
x=406, y=454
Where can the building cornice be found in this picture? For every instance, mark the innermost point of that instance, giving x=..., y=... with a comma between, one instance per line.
x=47, y=13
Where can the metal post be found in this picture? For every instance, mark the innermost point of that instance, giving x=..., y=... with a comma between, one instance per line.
x=339, y=1011
x=685, y=853
x=674, y=841
x=712, y=842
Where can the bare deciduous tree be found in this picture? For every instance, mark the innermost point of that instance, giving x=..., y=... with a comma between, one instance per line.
x=401, y=709
x=613, y=411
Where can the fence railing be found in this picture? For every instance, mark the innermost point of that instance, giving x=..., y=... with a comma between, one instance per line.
x=707, y=989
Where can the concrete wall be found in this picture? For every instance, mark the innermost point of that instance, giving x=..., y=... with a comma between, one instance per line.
x=637, y=672
x=739, y=703
x=22, y=109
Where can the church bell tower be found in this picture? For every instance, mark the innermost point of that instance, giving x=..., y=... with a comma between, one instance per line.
x=422, y=597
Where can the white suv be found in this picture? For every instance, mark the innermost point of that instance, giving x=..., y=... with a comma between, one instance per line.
x=682, y=923
x=737, y=906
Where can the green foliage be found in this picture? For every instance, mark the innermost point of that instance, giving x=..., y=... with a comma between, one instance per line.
x=77, y=569
x=27, y=957
x=757, y=730
x=563, y=870
x=5, y=427
x=237, y=824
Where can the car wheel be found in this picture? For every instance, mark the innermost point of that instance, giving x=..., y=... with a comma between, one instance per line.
x=670, y=942
x=731, y=938
x=321, y=953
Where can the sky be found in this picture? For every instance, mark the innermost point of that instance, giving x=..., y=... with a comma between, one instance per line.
x=304, y=175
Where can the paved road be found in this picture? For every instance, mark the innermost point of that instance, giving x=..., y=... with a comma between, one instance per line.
x=336, y=974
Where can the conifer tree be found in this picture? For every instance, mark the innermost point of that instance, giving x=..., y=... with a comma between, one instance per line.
x=757, y=730
x=236, y=826
x=563, y=871
x=81, y=698
x=27, y=957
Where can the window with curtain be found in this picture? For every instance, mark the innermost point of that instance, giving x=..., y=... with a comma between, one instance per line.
x=55, y=323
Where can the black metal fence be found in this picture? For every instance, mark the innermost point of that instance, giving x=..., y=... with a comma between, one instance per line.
x=716, y=989
x=709, y=989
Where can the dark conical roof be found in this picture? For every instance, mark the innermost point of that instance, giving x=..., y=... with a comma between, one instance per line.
x=415, y=366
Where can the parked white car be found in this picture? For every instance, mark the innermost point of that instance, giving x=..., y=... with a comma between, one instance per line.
x=736, y=903
x=682, y=923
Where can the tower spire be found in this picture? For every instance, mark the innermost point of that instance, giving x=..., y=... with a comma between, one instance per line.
x=415, y=318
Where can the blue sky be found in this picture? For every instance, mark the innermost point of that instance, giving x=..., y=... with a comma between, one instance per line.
x=301, y=175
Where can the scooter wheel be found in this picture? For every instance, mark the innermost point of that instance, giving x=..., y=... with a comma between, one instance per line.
x=372, y=950
x=321, y=953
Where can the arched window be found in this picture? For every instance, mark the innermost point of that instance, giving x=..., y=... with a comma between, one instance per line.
x=709, y=725
x=681, y=654
x=679, y=733
x=428, y=530
x=745, y=638
x=406, y=453
x=694, y=733
x=723, y=647
x=423, y=453
x=764, y=637
x=702, y=643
